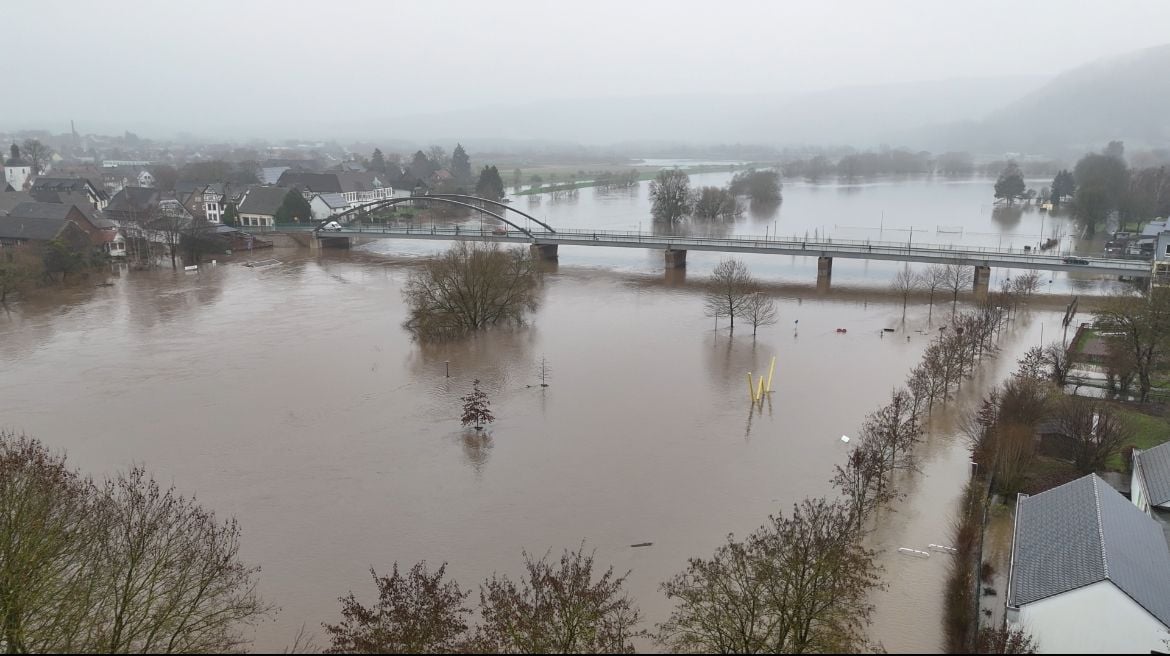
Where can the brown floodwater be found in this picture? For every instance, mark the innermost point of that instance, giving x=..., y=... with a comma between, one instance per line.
x=291, y=398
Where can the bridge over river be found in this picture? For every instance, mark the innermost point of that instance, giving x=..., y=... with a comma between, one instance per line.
x=545, y=241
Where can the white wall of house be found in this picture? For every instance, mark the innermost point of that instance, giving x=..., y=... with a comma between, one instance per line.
x=1097, y=618
x=17, y=175
x=321, y=209
x=356, y=198
x=212, y=208
x=257, y=221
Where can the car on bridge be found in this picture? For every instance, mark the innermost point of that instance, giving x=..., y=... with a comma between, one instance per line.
x=332, y=226
x=1075, y=260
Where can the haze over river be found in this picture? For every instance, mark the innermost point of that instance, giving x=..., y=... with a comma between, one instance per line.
x=292, y=398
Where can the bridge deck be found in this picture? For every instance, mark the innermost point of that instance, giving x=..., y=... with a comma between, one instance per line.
x=864, y=250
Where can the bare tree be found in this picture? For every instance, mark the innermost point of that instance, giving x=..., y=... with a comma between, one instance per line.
x=859, y=480
x=557, y=608
x=933, y=279
x=991, y=640
x=37, y=154
x=1144, y=322
x=716, y=203
x=469, y=288
x=956, y=278
x=670, y=193
x=1096, y=430
x=20, y=269
x=125, y=567
x=730, y=289
x=799, y=584
x=905, y=283
x=419, y=613
x=759, y=309
x=1057, y=361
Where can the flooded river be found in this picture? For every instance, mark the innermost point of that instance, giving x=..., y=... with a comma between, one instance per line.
x=291, y=398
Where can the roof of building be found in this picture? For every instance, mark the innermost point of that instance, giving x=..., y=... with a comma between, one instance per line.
x=66, y=185
x=1153, y=228
x=321, y=183
x=35, y=210
x=336, y=201
x=12, y=227
x=263, y=200
x=133, y=199
x=1084, y=532
x=1155, y=466
x=271, y=174
x=10, y=199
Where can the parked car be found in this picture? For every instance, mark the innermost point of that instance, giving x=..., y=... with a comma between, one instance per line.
x=499, y=230
x=332, y=226
x=1075, y=260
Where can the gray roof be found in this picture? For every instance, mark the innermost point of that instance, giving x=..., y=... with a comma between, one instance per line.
x=12, y=227
x=335, y=201
x=321, y=183
x=1155, y=466
x=10, y=199
x=81, y=185
x=41, y=211
x=133, y=199
x=1084, y=532
x=263, y=200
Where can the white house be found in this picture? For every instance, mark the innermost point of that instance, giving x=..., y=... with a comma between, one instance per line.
x=258, y=206
x=17, y=170
x=1090, y=573
x=1150, y=484
x=326, y=205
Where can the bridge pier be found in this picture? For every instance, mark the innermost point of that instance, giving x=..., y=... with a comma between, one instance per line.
x=543, y=251
x=982, y=280
x=675, y=259
x=318, y=243
x=824, y=268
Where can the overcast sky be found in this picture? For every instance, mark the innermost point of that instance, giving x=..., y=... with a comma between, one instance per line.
x=199, y=66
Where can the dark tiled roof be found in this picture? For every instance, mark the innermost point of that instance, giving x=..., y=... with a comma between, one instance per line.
x=81, y=185
x=12, y=227
x=1155, y=466
x=263, y=200
x=1084, y=532
x=10, y=199
x=133, y=199
x=321, y=183
x=41, y=211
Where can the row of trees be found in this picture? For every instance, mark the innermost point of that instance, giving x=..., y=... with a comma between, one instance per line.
x=673, y=199
x=798, y=584
x=25, y=268
x=118, y=567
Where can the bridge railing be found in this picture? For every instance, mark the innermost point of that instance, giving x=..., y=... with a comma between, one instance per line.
x=842, y=246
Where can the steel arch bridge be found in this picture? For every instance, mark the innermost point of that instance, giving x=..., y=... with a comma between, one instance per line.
x=450, y=199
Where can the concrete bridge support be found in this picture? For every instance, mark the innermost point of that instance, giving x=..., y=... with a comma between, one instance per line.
x=543, y=251
x=824, y=268
x=318, y=243
x=675, y=259
x=982, y=280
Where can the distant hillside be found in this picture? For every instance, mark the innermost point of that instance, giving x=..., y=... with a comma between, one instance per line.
x=863, y=116
x=1125, y=97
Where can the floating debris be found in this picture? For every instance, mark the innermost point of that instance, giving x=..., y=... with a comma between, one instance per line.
x=262, y=263
x=913, y=552
x=642, y=544
x=845, y=439
x=943, y=549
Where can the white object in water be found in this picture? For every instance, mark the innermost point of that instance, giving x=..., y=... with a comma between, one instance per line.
x=913, y=552
x=845, y=439
x=193, y=267
x=943, y=549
